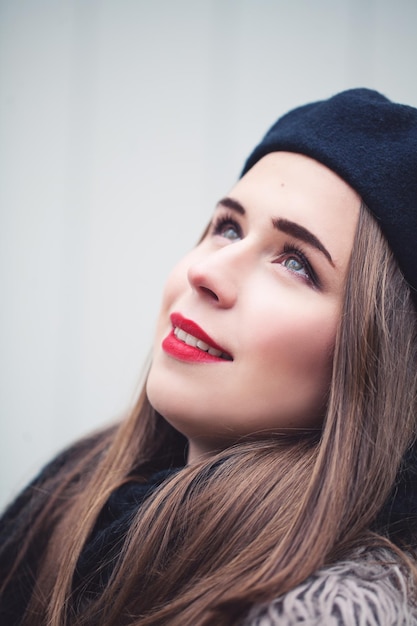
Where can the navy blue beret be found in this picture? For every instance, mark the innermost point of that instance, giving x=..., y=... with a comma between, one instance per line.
x=371, y=143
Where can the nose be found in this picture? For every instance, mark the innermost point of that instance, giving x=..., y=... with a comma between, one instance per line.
x=216, y=278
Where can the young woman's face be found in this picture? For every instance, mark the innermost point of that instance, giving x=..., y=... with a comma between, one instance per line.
x=246, y=332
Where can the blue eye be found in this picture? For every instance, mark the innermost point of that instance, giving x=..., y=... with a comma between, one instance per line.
x=295, y=265
x=227, y=227
x=230, y=233
x=295, y=261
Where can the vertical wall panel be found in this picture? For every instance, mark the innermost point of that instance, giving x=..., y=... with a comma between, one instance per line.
x=121, y=123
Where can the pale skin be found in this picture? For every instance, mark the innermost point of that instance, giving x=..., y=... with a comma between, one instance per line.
x=266, y=284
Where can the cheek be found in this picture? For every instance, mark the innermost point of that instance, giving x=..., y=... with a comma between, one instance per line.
x=176, y=282
x=304, y=345
x=175, y=286
x=292, y=366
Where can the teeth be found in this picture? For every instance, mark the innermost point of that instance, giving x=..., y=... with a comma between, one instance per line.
x=190, y=340
x=180, y=334
x=214, y=352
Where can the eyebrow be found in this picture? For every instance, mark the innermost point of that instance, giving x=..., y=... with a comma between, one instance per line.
x=229, y=203
x=299, y=232
x=285, y=226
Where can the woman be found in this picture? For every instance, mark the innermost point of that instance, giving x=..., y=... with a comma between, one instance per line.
x=266, y=474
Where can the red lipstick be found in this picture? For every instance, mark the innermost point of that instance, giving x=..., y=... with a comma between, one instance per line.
x=188, y=342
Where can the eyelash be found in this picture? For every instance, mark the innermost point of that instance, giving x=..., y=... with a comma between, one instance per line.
x=289, y=250
x=222, y=221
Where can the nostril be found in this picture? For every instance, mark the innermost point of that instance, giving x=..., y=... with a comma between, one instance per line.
x=209, y=292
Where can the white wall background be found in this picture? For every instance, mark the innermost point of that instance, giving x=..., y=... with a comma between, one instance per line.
x=121, y=123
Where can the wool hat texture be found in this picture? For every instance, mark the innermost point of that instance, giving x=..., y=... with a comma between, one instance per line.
x=370, y=142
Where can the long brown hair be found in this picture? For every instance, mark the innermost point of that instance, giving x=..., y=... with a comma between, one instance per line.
x=258, y=518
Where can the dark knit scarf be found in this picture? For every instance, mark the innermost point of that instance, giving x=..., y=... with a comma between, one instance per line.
x=103, y=547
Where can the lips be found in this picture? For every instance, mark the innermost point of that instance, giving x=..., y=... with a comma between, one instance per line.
x=188, y=342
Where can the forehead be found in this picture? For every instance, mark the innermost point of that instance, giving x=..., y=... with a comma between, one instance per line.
x=298, y=188
x=297, y=178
